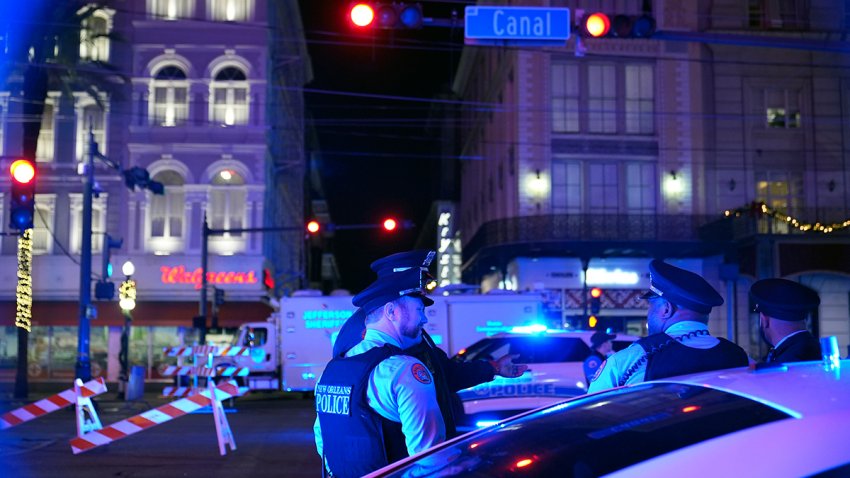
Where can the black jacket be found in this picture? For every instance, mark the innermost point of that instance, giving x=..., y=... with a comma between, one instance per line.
x=798, y=348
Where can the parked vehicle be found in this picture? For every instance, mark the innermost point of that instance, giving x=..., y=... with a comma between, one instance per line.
x=789, y=420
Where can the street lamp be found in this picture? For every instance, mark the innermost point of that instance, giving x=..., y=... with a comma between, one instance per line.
x=127, y=302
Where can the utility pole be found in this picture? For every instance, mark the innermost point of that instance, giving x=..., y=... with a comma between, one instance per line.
x=82, y=369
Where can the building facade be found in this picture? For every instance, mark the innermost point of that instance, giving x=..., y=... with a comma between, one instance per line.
x=198, y=108
x=718, y=144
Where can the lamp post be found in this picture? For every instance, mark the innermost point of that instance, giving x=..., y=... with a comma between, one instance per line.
x=127, y=302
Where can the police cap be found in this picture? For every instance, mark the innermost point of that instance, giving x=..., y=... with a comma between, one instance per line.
x=402, y=261
x=599, y=337
x=682, y=288
x=783, y=299
x=390, y=287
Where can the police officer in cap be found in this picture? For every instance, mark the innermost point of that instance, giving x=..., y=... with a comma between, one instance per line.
x=783, y=307
x=449, y=376
x=600, y=348
x=374, y=404
x=678, y=342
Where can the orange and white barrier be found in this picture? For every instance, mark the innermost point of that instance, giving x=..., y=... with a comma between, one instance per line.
x=53, y=403
x=228, y=351
x=223, y=371
x=213, y=395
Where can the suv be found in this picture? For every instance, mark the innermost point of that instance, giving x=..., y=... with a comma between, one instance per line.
x=556, y=373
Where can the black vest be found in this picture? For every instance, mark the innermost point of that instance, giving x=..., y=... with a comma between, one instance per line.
x=356, y=440
x=667, y=357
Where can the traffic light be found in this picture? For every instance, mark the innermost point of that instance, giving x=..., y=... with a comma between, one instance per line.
x=22, y=210
x=389, y=224
x=108, y=244
x=386, y=16
x=602, y=25
x=592, y=322
x=219, y=297
x=139, y=177
x=313, y=227
x=595, y=300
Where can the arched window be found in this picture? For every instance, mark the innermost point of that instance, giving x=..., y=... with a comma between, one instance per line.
x=94, y=44
x=229, y=96
x=230, y=10
x=167, y=210
x=169, y=97
x=227, y=201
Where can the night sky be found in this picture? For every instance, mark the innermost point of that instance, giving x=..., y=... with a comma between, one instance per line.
x=378, y=156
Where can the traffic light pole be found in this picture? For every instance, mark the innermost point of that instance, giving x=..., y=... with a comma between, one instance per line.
x=82, y=369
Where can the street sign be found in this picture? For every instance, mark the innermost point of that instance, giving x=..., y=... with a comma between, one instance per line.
x=516, y=25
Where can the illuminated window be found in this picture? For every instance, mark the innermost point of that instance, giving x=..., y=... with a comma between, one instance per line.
x=229, y=94
x=782, y=108
x=602, y=98
x=230, y=10
x=227, y=201
x=98, y=222
x=640, y=99
x=43, y=223
x=45, y=147
x=91, y=114
x=169, y=97
x=167, y=210
x=565, y=98
x=171, y=9
x=780, y=190
x=94, y=42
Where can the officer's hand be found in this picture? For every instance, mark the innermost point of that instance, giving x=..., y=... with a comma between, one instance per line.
x=506, y=367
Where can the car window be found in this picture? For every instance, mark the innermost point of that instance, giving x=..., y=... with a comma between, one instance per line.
x=531, y=349
x=598, y=434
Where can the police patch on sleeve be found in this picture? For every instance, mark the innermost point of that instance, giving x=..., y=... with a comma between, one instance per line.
x=599, y=371
x=420, y=373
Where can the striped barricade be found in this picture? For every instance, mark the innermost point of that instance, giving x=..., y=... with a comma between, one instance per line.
x=198, y=370
x=52, y=403
x=216, y=351
x=213, y=395
x=222, y=371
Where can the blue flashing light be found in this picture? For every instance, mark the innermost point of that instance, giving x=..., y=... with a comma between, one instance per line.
x=485, y=423
x=308, y=376
x=529, y=329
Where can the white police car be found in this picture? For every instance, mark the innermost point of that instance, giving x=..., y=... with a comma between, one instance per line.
x=785, y=421
x=555, y=359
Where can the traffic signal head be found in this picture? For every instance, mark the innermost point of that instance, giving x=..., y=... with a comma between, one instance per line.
x=361, y=14
x=386, y=15
x=595, y=25
x=313, y=227
x=595, y=300
x=390, y=224
x=596, y=292
x=22, y=209
x=600, y=25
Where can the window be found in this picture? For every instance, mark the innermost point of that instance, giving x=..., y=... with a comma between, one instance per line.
x=98, y=222
x=602, y=98
x=170, y=9
x=566, y=187
x=4, y=108
x=90, y=115
x=94, y=44
x=229, y=92
x=640, y=188
x=640, y=99
x=43, y=220
x=565, y=98
x=44, y=149
x=167, y=211
x=534, y=349
x=227, y=201
x=782, y=108
x=603, y=191
x=781, y=190
x=230, y=10
x=170, y=97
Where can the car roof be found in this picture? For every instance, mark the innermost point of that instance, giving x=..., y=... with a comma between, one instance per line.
x=813, y=388
x=584, y=334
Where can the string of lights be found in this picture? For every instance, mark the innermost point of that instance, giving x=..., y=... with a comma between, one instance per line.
x=763, y=209
x=23, y=292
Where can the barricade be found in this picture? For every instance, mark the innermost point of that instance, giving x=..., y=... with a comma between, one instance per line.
x=211, y=396
x=81, y=395
x=201, y=367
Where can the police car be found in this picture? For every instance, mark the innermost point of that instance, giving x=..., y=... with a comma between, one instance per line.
x=556, y=372
x=784, y=421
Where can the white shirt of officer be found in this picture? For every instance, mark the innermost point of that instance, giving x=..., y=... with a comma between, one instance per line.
x=400, y=388
x=662, y=316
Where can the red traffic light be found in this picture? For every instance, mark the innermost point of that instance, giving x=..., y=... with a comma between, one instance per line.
x=596, y=292
x=23, y=171
x=390, y=224
x=596, y=25
x=313, y=227
x=361, y=14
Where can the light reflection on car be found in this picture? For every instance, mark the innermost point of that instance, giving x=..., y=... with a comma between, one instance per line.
x=791, y=420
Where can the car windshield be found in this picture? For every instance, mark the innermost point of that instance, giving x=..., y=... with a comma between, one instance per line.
x=596, y=435
x=531, y=349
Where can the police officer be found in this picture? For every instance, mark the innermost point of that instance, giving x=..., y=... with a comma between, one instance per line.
x=678, y=342
x=449, y=376
x=600, y=348
x=783, y=307
x=375, y=405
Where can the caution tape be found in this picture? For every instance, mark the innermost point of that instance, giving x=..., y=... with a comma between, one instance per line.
x=51, y=404
x=153, y=417
x=228, y=351
x=223, y=371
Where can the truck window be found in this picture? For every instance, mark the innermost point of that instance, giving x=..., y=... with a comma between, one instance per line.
x=255, y=337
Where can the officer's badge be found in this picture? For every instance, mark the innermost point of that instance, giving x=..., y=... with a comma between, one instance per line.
x=420, y=373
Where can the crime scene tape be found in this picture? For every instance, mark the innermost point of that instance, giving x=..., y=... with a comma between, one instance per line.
x=153, y=417
x=51, y=404
x=223, y=371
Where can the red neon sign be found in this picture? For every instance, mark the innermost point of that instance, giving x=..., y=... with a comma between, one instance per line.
x=179, y=275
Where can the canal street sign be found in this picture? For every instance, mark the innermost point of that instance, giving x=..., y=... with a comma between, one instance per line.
x=491, y=25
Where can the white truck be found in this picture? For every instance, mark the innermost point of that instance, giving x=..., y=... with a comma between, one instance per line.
x=290, y=350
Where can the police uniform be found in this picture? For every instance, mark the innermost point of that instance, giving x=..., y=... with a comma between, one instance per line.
x=684, y=347
x=376, y=405
x=595, y=359
x=786, y=300
x=449, y=376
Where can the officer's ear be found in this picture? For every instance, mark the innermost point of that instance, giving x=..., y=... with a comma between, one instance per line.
x=389, y=308
x=669, y=309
